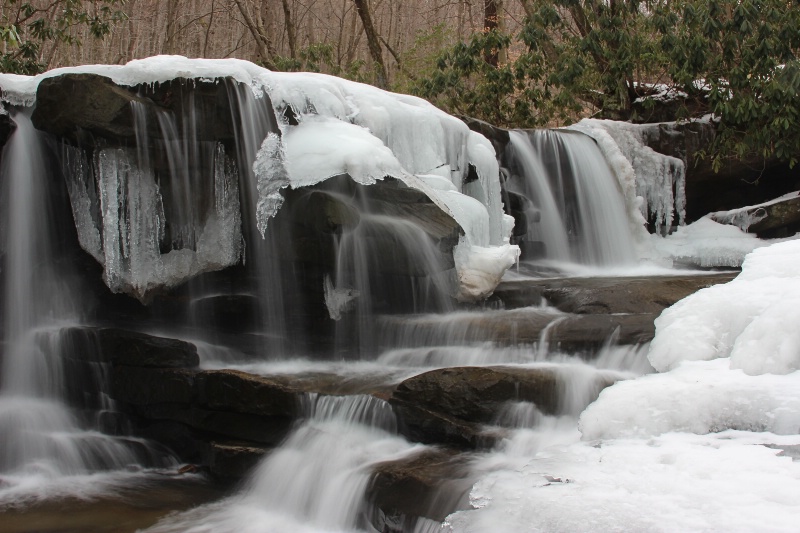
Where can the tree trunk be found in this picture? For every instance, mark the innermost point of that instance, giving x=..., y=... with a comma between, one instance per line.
x=263, y=42
x=373, y=42
x=291, y=33
x=491, y=21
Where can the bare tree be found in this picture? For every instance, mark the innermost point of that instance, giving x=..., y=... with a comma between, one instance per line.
x=373, y=42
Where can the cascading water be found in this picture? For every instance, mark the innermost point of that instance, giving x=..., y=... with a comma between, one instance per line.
x=43, y=438
x=570, y=202
x=316, y=480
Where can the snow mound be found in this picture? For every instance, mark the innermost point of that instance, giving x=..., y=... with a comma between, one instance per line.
x=729, y=357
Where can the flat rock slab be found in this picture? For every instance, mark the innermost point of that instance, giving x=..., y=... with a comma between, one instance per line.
x=456, y=406
x=127, y=348
x=574, y=333
x=632, y=295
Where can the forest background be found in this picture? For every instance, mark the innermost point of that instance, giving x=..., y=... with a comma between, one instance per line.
x=513, y=63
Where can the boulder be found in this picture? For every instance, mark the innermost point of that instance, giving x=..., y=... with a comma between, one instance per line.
x=78, y=107
x=430, y=484
x=450, y=405
x=146, y=386
x=232, y=460
x=232, y=390
x=777, y=218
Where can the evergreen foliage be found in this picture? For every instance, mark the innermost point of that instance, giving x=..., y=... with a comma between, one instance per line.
x=29, y=29
x=735, y=59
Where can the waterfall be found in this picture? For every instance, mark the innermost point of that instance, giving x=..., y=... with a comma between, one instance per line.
x=316, y=480
x=42, y=436
x=567, y=200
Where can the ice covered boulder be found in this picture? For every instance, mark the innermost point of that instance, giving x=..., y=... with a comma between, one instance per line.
x=181, y=161
x=780, y=216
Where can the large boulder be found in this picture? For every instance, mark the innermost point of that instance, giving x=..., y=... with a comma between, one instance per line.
x=127, y=348
x=451, y=406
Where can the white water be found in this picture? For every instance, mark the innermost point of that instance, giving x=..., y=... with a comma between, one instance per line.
x=316, y=480
x=582, y=216
x=44, y=441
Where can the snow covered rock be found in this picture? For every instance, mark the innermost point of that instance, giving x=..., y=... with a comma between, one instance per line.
x=218, y=141
x=781, y=215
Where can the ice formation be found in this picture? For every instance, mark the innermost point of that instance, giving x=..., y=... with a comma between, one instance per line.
x=744, y=217
x=706, y=243
x=659, y=179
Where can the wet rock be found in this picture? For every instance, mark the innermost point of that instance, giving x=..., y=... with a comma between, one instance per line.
x=79, y=106
x=497, y=136
x=127, y=348
x=449, y=406
x=317, y=216
x=145, y=386
x=227, y=313
x=583, y=334
x=7, y=127
x=231, y=459
x=431, y=484
x=131, y=348
x=232, y=390
x=606, y=295
x=586, y=334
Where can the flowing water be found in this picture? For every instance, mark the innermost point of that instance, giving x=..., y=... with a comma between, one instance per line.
x=44, y=439
x=388, y=286
x=572, y=202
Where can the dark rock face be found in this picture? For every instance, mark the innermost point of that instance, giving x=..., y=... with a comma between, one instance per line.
x=99, y=108
x=497, y=136
x=737, y=184
x=7, y=127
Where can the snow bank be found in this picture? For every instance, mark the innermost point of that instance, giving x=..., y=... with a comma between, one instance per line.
x=706, y=243
x=749, y=319
x=729, y=354
x=732, y=481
